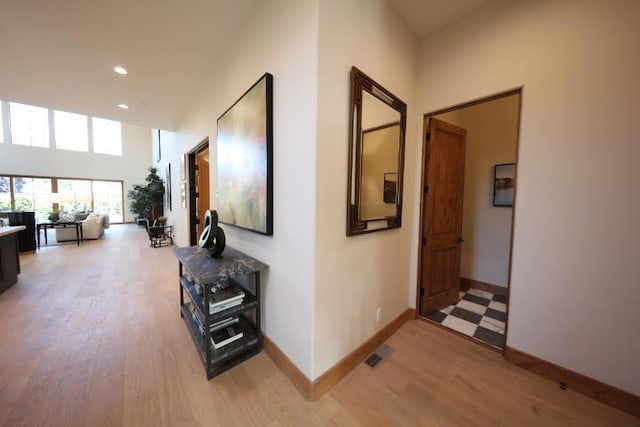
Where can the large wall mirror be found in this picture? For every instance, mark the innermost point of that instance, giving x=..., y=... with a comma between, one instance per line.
x=376, y=157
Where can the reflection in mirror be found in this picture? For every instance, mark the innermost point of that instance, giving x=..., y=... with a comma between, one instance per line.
x=379, y=158
x=376, y=157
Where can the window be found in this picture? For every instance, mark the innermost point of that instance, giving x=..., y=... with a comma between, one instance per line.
x=107, y=137
x=74, y=195
x=26, y=193
x=29, y=125
x=107, y=199
x=5, y=193
x=71, y=131
x=33, y=194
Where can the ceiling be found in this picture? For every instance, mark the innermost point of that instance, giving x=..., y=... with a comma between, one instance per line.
x=60, y=54
x=427, y=16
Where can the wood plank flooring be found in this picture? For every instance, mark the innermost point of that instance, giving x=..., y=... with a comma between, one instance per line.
x=92, y=336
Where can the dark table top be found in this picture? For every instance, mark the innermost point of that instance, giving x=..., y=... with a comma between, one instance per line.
x=53, y=223
x=206, y=270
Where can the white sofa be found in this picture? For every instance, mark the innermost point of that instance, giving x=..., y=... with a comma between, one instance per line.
x=93, y=227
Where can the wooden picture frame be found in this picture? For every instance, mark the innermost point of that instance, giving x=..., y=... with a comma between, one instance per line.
x=183, y=168
x=158, y=150
x=167, y=184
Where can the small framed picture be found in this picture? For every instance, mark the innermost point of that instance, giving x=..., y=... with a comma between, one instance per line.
x=167, y=184
x=183, y=170
x=504, y=181
x=158, y=151
x=390, y=187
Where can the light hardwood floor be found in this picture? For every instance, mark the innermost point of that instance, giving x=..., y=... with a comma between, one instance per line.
x=92, y=336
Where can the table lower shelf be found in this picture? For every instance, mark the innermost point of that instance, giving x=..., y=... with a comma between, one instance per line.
x=228, y=356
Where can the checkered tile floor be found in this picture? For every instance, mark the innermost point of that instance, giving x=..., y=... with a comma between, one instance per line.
x=478, y=314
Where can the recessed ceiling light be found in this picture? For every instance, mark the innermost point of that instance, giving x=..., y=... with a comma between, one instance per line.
x=123, y=106
x=120, y=70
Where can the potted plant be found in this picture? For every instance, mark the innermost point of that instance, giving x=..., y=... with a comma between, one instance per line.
x=146, y=199
x=156, y=229
x=54, y=216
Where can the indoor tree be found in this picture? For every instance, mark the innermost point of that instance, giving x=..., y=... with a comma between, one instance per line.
x=146, y=199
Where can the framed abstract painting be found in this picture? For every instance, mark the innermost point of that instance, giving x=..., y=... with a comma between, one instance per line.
x=245, y=160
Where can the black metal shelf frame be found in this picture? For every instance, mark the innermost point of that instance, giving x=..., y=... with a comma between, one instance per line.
x=206, y=272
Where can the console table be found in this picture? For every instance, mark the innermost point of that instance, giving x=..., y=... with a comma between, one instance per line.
x=201, y=277
x=59, y=224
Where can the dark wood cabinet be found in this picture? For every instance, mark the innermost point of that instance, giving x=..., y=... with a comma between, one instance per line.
x=27, y=237
x=9, y=258
x=202, y=276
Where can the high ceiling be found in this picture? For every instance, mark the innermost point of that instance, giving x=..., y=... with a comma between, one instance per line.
x=60, y=54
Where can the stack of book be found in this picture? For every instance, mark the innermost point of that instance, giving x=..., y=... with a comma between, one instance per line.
x=224, y=298
x=225, y=332
x=196, y=317
x=221, y=297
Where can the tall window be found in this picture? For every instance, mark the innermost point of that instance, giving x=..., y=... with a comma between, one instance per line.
x=5, y=193
x=25, y=193
x=32, y=194
x=71, y=131
x=74, y=195
x=107, y=199
x=29, y=125
x=107, y=137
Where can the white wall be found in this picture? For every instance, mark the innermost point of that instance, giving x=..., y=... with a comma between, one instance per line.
x=492, y=135
x=574, y=283
x=279, y=37
x=131, y=167
x=355, y=275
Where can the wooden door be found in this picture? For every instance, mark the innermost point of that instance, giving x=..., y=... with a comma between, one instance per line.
x=202, y=179
x=198, y=162
x=442, y=216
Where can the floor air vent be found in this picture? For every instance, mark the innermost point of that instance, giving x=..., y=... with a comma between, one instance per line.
x=380, y=355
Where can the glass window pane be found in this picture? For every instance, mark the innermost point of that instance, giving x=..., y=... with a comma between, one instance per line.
x=71, y=131
x=74, y=195
x=5, y=193
x=33, y=194
x=107, y=137
x=22, y=185
x=23, y=193
x=42, y=203
x=107, y=196
x=29, y=125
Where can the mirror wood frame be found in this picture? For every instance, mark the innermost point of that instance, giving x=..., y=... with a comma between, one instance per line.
x=361, y=83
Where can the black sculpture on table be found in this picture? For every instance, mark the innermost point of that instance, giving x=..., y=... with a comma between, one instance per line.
x=212, y=238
